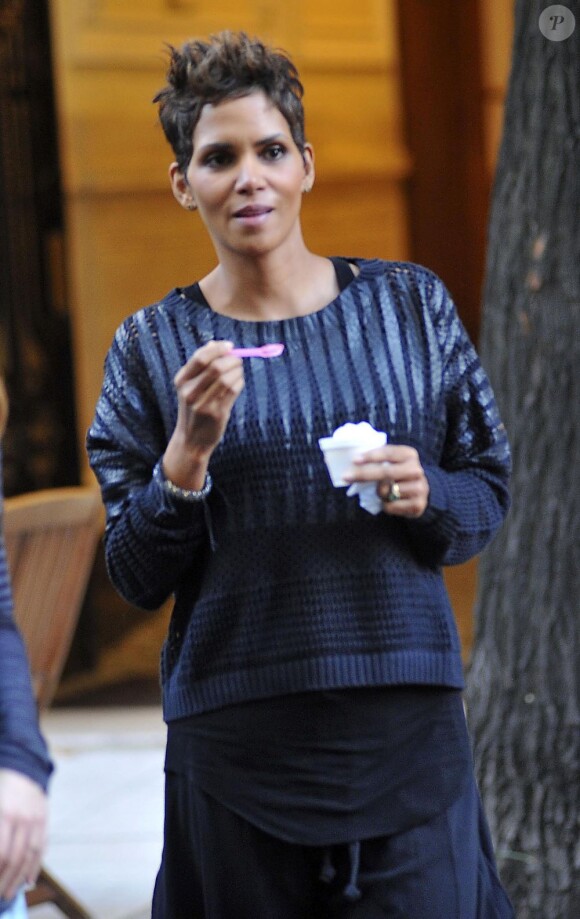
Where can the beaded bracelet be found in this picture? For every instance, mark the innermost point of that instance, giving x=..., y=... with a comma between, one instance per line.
x=184, y=494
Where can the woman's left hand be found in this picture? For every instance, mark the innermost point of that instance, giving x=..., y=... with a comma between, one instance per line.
x=402, y=484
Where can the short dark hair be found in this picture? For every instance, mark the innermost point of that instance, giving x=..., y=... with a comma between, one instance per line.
x=227, y=66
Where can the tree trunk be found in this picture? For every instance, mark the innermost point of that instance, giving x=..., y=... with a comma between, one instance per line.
x=522, y=695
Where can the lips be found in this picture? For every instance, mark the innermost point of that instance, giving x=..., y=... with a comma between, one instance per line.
x=253, y=210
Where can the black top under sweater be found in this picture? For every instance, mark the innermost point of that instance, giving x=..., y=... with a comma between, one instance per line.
x=329, y=767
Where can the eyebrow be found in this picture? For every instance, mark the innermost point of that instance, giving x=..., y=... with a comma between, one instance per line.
x=226, y=145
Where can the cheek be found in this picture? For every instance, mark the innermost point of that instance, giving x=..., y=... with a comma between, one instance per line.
x=293, y=187
x=210, y=201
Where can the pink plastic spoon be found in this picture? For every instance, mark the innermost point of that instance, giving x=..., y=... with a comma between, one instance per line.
x=273, y=350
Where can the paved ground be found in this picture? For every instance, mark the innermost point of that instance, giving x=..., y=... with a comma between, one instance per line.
x=106, y=808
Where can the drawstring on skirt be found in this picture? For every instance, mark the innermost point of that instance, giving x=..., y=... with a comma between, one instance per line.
x=328, y=871
x=352, y=891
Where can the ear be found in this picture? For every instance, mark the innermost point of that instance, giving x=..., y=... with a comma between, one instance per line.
x=180, y=188
x=309, y=172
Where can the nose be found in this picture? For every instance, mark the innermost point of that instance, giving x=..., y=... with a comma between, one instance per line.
x=249, y=178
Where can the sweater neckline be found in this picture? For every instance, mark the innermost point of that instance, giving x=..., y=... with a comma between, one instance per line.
x=367, y=269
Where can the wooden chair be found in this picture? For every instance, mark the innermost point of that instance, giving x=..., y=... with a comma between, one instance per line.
x=51, y=538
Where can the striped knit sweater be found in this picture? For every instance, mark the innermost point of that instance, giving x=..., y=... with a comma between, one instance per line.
x=22, y=747
x=281, y=582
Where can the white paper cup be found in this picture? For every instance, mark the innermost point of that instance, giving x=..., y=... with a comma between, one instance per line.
x=339, y=453
x=338, y=458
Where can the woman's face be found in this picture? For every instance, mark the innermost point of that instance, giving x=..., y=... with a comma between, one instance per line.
x=246, y=176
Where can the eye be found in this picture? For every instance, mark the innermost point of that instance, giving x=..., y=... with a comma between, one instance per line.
x=218, y=159
x=274, y=151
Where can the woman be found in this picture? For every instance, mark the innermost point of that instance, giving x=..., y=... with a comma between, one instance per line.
x=317, y=762
x=24, y=764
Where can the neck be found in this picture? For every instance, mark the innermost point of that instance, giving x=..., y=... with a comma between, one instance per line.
x=274, y=286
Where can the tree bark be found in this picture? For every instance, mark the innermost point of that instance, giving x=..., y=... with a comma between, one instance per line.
x=522, y=695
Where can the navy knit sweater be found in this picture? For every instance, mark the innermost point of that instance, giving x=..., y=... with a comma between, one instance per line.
x=282, y=583
x=22, y=747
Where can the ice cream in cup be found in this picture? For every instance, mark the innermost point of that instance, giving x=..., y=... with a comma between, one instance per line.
x=348, y=441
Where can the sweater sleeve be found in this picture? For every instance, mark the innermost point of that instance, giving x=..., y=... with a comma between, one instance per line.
x=151, y=538
x=468, y=486
x=22, y=746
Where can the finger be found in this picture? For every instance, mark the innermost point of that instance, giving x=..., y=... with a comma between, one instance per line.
x=399, y=490
x=404, y=499
x=409, y=471
x=409, y=509
x=34, y=863
x=5, y=837
x=203, y=358
x=13, y=872
x=36, y=849
x=6, y=833
x=406, y=468
x=364, y=471
x=206, y=373
x=213, y=387
x=390, y=453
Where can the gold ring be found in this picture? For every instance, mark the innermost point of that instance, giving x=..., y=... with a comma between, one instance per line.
x=394, y=493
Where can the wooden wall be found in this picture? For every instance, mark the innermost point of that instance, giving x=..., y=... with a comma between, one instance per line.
x=497, y=26
x=128, y=242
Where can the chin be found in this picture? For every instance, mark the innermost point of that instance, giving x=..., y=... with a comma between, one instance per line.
x=253, y=248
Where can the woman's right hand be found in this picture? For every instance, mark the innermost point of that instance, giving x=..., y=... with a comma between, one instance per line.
x=207, y=387
x=23, y=827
